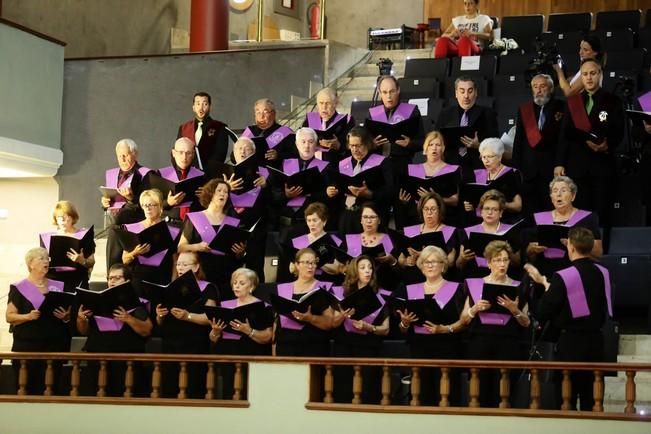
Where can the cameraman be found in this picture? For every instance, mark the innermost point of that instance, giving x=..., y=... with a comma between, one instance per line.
x=590, y=48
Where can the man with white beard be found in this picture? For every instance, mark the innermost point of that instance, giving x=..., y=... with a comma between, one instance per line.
x=536, y=137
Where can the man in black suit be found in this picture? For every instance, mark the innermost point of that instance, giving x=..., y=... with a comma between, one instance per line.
x=534, y=148
x=209, y=135
x=482, y=121
x=593, y=126
x=278, y=140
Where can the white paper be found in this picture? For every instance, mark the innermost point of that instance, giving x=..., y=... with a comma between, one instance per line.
x=470, y=63
x=422, y=104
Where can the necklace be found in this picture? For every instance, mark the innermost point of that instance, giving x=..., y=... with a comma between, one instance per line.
x=434, y=286
x=370, y=240
x=492, y=177
x=425, y=229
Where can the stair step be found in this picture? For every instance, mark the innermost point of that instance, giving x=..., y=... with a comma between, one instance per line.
x=635, y=345
x=371, y=70
x=401, y=55
x=615, y=393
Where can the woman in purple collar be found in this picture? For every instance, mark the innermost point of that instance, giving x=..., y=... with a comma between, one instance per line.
x=429, y=340
x=32, y=331
x=202, y=227
x=433, y=168
x=495, y=331
x=316, y=219
x=372, y=241
x=431, y=210
x=183, y=331
x=359, y=338
x=503, y=178
x=65, y=217
x=303, y=334
x=491, y=205
x=146, y=265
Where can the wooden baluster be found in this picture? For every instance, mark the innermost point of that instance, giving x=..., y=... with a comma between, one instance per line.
x=474, y=388
x=415, y=386
x=128, y=380
x=49, y=378
x=155, y=381
x=630, y=393
x=183, y=380
x=210, y=381
x=357, y=384
x=566, y=390
x=535, y=390
x=386, y=386
x=328, y=385
x=101, y=379
x=505, y=388
x=22, y=378
x=598, y=391
x=444, y=388
x=75, y=379
x=237, y=382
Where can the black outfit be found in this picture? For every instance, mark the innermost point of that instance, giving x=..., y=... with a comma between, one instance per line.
x=644, y=140
x=593, y=172
x=580, y=339
x=438, y=346
x=480, y=119
x=47, y=334
x=536, y=160
x=341, y=133
x=495, y=342
x=286, y=148
x=174, y=213
x=185, y=337
x=126, y=340
x=213, y=144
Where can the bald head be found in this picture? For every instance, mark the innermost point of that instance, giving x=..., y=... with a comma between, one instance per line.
x=326, y=101
x=183, y=152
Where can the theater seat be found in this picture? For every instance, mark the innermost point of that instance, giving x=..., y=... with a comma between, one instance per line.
x=524, y=29
x=610, y=20
x=569, y=22
x=487, y=67
x=359, y=110
x=419, y=88
x=432, y=68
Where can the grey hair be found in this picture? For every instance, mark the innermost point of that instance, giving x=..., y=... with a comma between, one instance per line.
x=493, y=144
x=332, y=94
x=566, y=179
x=306, y=130
x=129, y=143
x=548, y=79
x=464, y=78
x=246, y=141
x=33, y=254
x=267, y=102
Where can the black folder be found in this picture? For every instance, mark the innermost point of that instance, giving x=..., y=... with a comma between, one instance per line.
x=157, y=236
x=247, y=171
x=54, y=300
x=491, y=291
x=310, y=179
x=229, y=235
x=328, y=252
x=372, y=176
x=392, y=132
x=319, y=300
x=550, y=235
x=453, y=135
x=330, y=132
x=639, y=116
x=258, y=314
x=182, y=292
x=60, y=245
x=419, y=242
x=104, y=302
x=472, y=192
x=424, y=309
x=375, y=251
x=477, y=241
x=187, y=186
x=446, y=185
x=364, y=301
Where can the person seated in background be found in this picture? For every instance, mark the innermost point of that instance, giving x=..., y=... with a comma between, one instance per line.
x=589, y=48
x=278, y=138
x=32, y=331
x=326, y=118
x=464, y=150
x=65, y=217
x=124, y=332
x=177, y=206
x=123, y=208
x=537, y=132
x=466, y=35
x=209, y=135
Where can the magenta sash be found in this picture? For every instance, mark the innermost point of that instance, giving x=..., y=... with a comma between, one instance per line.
x=315, y=122
x=278, y=136
x=575, y=292
x=109, y=324
x=403, y=111
x=415, y=230
x=301, y=242
x=354, y=244
x=476, y=288
x=246, y=199
x=547, y=218
x=370, y=318
x=607, y=288
x=286, y=290
x=31, y=293
x=418, y=170
x=111, y=179
x=230, y=304
x=346, y=165
x=442, y=298
x=170, y=174
x=480, y=260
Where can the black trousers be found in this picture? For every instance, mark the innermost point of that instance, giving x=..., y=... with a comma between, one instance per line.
x=581, y=346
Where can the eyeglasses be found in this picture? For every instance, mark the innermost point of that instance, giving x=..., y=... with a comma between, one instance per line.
x=185, y=264
x=432, y=263
x=369, y=217
x=488, y=156
x=307, y=263
x=149, y=205
x=356, y=145
x=186, y=153
x=263, y=112
x=560, y=190
x=501, y=260
x=490, y=209
x=112, y=278
x=428, y=209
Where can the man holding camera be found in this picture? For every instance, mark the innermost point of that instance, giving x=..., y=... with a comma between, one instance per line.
x=534, y=148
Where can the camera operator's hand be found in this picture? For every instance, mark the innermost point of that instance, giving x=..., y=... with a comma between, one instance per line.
x=647, y=127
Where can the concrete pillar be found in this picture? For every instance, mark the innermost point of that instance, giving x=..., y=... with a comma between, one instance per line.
x=209, y=25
